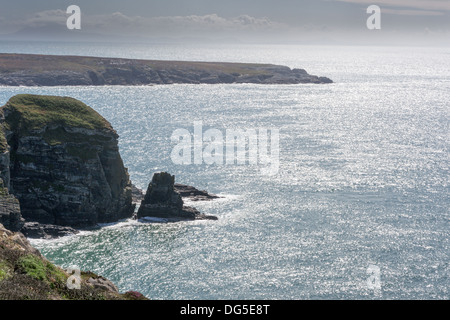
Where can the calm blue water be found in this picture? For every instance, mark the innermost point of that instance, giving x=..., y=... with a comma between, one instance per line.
x=363, y=178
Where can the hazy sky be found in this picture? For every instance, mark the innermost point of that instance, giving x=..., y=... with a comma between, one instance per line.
x=292, y=21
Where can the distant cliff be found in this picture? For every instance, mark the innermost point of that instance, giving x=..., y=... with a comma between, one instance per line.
x=50, y=70
x=60, y=159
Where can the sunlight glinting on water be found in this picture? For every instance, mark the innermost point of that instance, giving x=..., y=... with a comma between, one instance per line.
x=363, y=179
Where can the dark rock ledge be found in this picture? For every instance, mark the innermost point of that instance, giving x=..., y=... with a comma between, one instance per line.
x=186, y=192
x=193, y=194
x=35, y=230
x=161, y=211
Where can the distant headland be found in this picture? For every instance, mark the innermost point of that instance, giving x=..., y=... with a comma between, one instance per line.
x=56, y=70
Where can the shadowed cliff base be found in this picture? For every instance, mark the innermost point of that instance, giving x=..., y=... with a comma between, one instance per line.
x=52, y=70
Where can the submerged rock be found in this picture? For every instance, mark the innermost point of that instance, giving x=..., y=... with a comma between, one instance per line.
x=163, y=201
x=193, y=194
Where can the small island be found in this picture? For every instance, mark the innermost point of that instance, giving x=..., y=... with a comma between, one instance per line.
x=54, y=70
x=163, y=203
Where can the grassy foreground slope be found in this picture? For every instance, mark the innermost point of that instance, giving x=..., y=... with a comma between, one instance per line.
x=26, y=275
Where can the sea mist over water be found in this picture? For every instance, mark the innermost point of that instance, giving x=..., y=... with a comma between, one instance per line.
x=363, y=178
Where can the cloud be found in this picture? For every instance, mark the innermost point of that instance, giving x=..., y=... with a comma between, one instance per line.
x=200, y=24
x=38, y=19
x=406, y=12
x=416, y=7
x=122, y=24
x=340, y=27
x=46, y=17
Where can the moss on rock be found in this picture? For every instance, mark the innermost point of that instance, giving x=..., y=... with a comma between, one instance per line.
x=32, y=112
x=5, y=270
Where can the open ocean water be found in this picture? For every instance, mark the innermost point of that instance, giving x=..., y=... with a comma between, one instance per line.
x=363, y=180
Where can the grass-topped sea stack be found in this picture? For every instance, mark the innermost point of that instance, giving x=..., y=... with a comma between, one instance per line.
x=63, y=160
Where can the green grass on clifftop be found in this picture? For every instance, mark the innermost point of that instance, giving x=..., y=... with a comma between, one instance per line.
x=31, y=112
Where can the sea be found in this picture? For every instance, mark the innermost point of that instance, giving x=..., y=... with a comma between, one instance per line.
x=358, y=207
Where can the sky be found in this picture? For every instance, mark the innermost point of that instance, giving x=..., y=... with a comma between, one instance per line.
x=421, y=22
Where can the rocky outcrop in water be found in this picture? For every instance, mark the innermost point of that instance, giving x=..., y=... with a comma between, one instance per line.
x=163, y=201
x=64, y=164
x=48, y=70
x=193, y=194
x=186, y=192
x=36, y=230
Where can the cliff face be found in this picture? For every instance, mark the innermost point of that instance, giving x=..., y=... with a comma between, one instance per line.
x=10, y=215
x=64, y=163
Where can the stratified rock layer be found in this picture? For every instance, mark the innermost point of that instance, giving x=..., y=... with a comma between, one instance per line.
x=10, y=215
x=64, y=163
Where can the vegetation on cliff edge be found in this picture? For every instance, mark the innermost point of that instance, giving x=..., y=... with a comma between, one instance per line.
x=32, y=112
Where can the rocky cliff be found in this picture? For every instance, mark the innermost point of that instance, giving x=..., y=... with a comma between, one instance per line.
x=64, y=163
x=49, y=70
x=10, y=215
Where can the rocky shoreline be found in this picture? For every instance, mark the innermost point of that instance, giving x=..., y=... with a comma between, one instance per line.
x=52, y=70
x=36, y=230
x=61, y=172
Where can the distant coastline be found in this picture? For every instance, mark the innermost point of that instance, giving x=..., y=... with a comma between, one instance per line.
x=58, y=70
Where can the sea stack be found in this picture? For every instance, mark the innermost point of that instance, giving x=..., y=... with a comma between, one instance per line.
x=163, y=201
